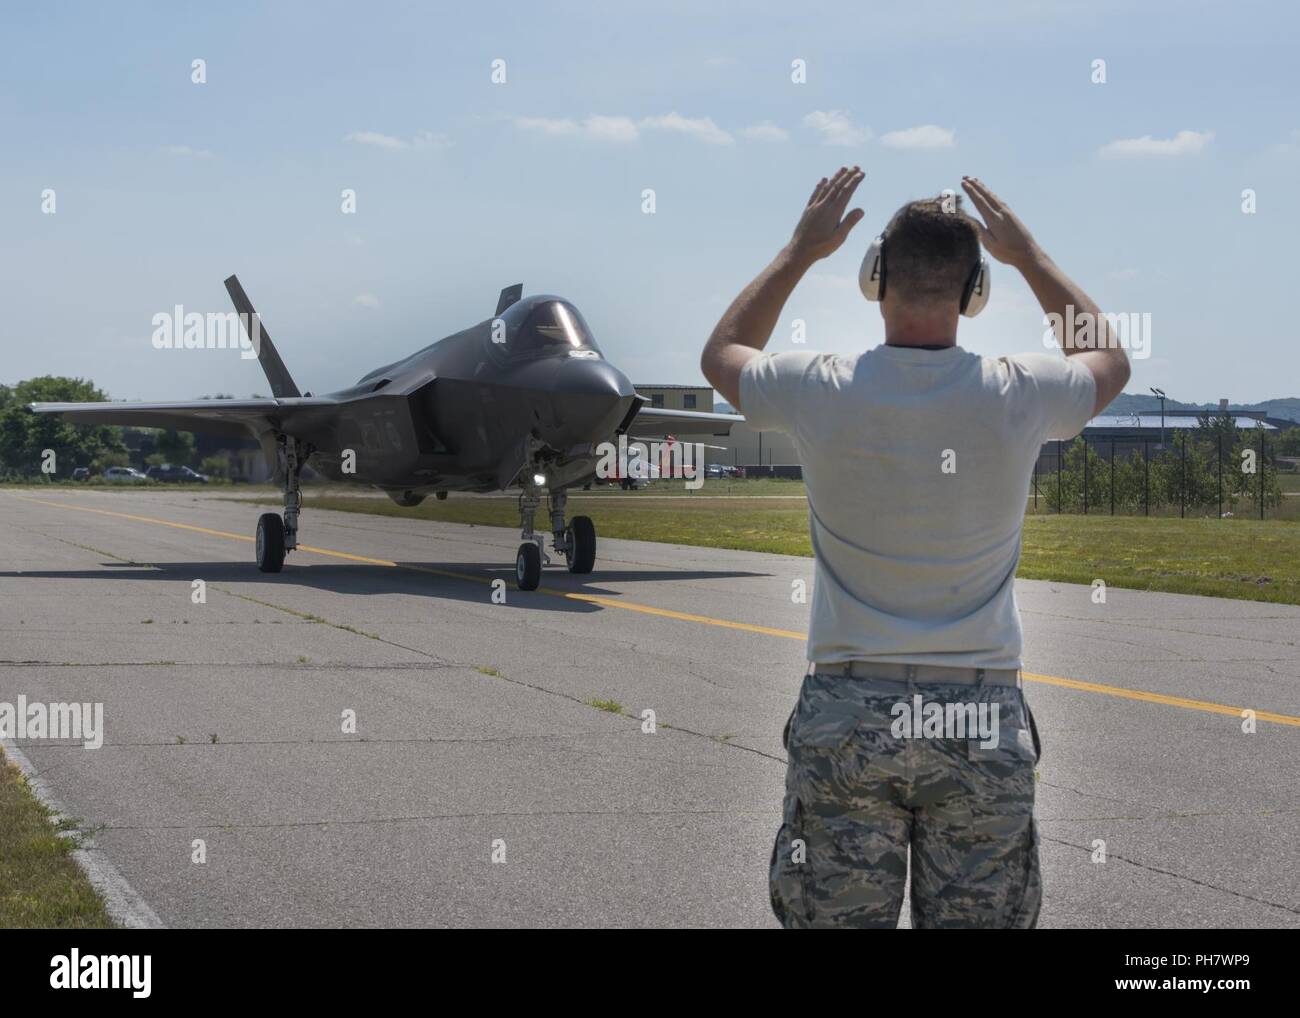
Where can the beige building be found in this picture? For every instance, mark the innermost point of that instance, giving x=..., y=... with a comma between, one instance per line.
x=678, y=397
x=743, y=447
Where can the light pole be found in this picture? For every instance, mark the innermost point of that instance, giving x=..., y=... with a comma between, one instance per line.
x=1160, y=395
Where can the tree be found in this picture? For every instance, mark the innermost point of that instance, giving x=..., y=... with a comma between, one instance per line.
x=25, y=436
x=1071, y=493
x=1287, y=443
x=216, y=466
x=176, y=447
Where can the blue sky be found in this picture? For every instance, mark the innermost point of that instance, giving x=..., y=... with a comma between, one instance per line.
x=164, y=187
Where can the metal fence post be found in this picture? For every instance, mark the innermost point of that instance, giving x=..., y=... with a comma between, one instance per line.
x=1085, y=476
x=1219, y=454
x=1260, y=474
x=1112, y=475
x=1060, y=469
x=1146, y=477
x=1182, y=485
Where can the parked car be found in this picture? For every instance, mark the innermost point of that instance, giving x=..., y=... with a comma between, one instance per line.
x=124, y=475
x=81, y=474
x=174, y=473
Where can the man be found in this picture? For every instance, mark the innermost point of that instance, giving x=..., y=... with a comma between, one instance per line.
x=911, y=730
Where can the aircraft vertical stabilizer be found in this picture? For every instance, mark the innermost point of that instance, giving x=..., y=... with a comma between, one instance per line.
x=277, y=374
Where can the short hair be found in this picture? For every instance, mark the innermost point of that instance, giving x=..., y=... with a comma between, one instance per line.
x=930, y=251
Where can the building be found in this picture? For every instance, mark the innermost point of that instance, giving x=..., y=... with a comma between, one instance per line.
x=678, y=397
x=1143, y=432
x=744, y=447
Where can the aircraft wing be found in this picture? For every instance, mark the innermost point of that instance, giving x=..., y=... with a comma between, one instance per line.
x=240, y=418
x=657, y=421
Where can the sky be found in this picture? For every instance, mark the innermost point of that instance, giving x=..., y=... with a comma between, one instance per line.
x=465, y=183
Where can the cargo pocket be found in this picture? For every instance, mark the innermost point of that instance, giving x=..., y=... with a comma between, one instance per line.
x=1033, y=730
x=1017, y=746
x=788, y=878
x=1025, y=915
x=825, y=719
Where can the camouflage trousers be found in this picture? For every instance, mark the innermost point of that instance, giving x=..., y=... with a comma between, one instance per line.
x=858, y=795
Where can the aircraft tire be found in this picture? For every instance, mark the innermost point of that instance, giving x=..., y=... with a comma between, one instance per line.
x=528, y=566
x=270, y=543
x=582, y=545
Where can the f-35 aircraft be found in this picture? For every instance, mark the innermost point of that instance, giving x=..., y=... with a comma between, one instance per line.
x=521, y=400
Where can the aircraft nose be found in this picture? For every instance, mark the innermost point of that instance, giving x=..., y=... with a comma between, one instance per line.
x=589, y=377
x=591, y=398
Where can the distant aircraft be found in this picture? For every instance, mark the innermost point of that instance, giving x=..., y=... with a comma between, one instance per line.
x=520, y=400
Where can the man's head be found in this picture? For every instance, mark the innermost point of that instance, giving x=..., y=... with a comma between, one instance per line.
x=922, y=270
x=932, y=246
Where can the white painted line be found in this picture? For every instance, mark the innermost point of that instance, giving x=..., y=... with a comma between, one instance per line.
x=122, y=901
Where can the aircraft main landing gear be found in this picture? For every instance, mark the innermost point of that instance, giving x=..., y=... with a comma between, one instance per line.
x=270, y=543
x=576, y=540
x=276, y=535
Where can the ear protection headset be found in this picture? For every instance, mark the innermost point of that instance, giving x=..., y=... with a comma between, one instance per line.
x=871, y=280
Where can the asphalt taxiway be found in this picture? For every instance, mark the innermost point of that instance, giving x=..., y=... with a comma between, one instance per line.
x=489, y=730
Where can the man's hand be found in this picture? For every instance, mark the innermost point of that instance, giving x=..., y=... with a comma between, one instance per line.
x=1002, y=233
x=823, y=227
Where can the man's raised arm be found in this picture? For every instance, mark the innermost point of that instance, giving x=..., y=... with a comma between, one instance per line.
x=1005, y=237
x=747, y=324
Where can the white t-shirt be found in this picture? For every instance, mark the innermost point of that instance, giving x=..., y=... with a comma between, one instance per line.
x=917, y=464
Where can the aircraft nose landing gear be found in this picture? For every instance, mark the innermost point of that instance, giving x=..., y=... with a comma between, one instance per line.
x=576, y=541
x=580, y=545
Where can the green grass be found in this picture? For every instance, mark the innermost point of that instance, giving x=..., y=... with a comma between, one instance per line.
x=1248, y=559
x=41, y=885
x=1239, y=558
x=608, y=706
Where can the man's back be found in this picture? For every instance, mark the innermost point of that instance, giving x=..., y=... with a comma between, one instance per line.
x=917, y=457
x=917, y=464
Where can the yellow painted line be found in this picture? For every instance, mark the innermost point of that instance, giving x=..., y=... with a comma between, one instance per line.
x=667, y=613
x=1168, y=701
x=706, y=620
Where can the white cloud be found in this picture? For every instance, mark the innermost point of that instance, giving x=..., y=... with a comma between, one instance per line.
x=766, y=131
x=599, y=128
x=836, y=128
x=421, y=141
x=185, y=151
x=548, y=125
x=927, y=136
x=1182, y=143
x=702, y=128
x=366, y=300
x=610, y=128
x=621, y=129
x=427, y=140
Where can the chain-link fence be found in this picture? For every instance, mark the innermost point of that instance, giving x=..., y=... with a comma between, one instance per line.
x=1197, y=472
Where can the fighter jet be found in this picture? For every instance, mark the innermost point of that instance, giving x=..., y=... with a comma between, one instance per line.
x=523, y=400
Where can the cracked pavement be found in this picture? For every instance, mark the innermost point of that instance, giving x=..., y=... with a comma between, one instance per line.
x=475, y=722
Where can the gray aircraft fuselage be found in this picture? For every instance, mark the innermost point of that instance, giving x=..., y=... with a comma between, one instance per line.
x=452, y=417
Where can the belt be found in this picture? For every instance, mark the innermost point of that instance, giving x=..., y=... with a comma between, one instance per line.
x=920, y=673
